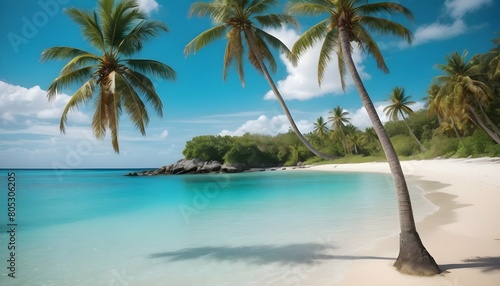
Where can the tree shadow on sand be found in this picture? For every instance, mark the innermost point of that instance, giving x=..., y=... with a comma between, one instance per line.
x=487, y=263
x=306, y=253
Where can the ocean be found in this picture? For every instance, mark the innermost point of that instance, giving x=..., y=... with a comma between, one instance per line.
x=99, y=227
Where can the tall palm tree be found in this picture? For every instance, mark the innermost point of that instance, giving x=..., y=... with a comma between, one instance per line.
x=237, y=20
x=350, y=21
x=339, y=119
x=320, y=127
x=399, y=106
x=119, y=82
x=462, y=93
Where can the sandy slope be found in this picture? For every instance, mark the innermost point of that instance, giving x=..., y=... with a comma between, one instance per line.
x=463, y=235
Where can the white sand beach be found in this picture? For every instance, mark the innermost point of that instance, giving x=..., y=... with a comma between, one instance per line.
x=463, y=235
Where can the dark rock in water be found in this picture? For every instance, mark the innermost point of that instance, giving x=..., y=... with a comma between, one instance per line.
x=196, y=166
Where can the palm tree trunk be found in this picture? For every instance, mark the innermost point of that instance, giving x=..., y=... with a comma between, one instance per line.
x=488, y=120
x=413, y=258
x=455, y=129
x=253, y=47
x=492, y=134
x=422, y=148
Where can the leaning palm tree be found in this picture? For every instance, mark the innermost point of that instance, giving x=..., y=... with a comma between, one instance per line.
x=399, y=106
x=339, y=119
x=117, y=32
x=237, y=20
x=350, y=21
x=463, y=93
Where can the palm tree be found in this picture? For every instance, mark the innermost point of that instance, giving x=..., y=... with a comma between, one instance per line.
x=450, y=121
x=117, y=32
x=320, y=127
x=399, y=106
x=236, y=20
x=350, y=21
x=370, y=139
x=353, y=138
x=463, y=94
x=339, y=119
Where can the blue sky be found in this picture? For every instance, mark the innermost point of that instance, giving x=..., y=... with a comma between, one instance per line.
x=199, y=102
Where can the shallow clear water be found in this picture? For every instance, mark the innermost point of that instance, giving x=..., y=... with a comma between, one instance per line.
x=98, y=227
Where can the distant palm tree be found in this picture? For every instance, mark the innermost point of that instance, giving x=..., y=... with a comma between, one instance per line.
x=236, y=20
x=352, y=21
x=399, y=106
x=339, y=119
x=369, y=138
x=353, y=138
x=461, y=93
x=117, y=32
x=320, y=127
x=451, y=121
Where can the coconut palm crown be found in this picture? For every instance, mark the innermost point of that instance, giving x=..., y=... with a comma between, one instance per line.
x=117, y=31
x=243, y=23
x=358, y=17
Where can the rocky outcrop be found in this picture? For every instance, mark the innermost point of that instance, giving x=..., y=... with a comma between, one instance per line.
x=196, y=166
x=192, y=166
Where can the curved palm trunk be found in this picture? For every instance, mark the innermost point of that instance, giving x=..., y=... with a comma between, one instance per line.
x=492, y=134
x=251, y=43
x=488, y=120
x=422, y=148
x=413, y=257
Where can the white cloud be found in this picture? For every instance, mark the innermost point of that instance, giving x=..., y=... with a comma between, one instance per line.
x=21, y=105
x=439, y=31
x=301, y=83
x=148, y=6
x=268, y=126
x=458, y=8
x=360, y=119
x=164, y=134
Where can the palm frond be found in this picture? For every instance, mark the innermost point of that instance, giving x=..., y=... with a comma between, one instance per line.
x=133, y=104
x=82, y=95
x=388, y=28
x=276, y=20
x=310, y=8
x=274, y=42
x=219, y=11
x=309, y=38
x=205, y=38
x=152, y=67
x=234, y=50
x=259, y=6
x=89, y=24
x=366, y=40
x=146, y=87
x=61, y=53
x=66, y=79
x=80, y=61
x=385, y=7
x=133, y=41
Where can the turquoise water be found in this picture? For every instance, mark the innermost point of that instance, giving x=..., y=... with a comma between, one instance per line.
x=98, y=227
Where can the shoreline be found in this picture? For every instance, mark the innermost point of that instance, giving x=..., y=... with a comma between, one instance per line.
x=463, y=234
